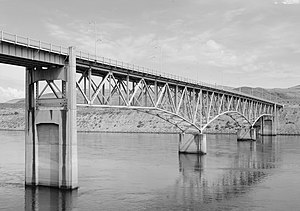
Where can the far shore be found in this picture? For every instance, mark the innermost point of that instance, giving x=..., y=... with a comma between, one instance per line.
x=12, y=118
x=146, y=132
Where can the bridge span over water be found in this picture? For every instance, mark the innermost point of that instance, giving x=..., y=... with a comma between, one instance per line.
x=51, y=139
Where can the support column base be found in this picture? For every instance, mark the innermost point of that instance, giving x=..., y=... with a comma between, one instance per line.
x=43, y=198
x=192, y=144
x=246, y=134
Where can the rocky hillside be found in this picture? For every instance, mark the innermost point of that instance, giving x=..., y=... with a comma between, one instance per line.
x=118, y=120
x=289, y=96
x=12, y=117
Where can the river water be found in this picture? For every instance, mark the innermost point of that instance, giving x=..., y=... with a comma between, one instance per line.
x=145, y=172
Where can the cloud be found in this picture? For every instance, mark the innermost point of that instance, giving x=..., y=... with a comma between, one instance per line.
x=218, y=55
x=273, y=69
x=2, y=25
x=212, y=44
x=232, y=14
x=124, y=47
x=288, y=2
x=10, y=93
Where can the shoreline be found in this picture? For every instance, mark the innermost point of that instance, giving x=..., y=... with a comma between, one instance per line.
x=145, y=132
x=12, y=118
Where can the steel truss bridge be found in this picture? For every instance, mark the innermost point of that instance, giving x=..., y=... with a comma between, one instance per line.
x=76, y=79
x=102, y=82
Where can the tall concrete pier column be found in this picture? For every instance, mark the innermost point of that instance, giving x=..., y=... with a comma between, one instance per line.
x=275, y=120
x=51, y=134
x=246, y=134
x=192, y=143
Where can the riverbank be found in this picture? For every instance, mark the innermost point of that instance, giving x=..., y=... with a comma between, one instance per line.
x=12, y=117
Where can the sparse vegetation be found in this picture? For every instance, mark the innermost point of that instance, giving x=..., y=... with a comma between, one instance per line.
x=12, y=117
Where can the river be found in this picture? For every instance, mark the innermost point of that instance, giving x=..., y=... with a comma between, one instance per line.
x=145, y=172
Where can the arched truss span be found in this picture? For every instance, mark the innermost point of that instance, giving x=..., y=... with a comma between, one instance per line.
x=256, y=120
x=179, y=122
x=236, y=116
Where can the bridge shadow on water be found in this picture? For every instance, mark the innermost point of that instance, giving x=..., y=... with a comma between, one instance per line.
x=49, y=199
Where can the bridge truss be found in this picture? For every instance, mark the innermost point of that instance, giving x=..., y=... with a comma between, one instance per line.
x=79, y=79
x=102, y=82
x=187, y=106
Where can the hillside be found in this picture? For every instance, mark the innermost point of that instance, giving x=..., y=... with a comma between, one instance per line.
x=120, y=120
x=16, y=101
x=289, y=96
x=12, y=117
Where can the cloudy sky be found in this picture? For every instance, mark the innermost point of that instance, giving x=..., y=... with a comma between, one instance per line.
x=229, y=42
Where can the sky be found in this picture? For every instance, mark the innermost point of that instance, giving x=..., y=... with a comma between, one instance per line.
x=227, y=42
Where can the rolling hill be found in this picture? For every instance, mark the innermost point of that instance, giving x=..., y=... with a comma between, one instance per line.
x=289, y=96
x=118, y=120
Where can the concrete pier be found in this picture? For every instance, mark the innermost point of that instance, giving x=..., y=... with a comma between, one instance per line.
x=51, y=134
x=267, y=126
x=246, y=134
x=192, y=143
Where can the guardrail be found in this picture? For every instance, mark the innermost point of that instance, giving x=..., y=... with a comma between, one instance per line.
x=24, y=41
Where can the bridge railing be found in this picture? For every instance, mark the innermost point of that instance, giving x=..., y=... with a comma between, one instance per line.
x=125, y=65
x=37, y=44
x=120, y=64
x=24, y=41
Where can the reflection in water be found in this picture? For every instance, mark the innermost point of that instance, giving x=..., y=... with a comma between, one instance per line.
x=217, y=179
x=191, y=162
x=44, y=199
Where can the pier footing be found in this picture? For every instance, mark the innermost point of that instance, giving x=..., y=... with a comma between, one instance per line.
x=246, y=134
x=192, y=143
